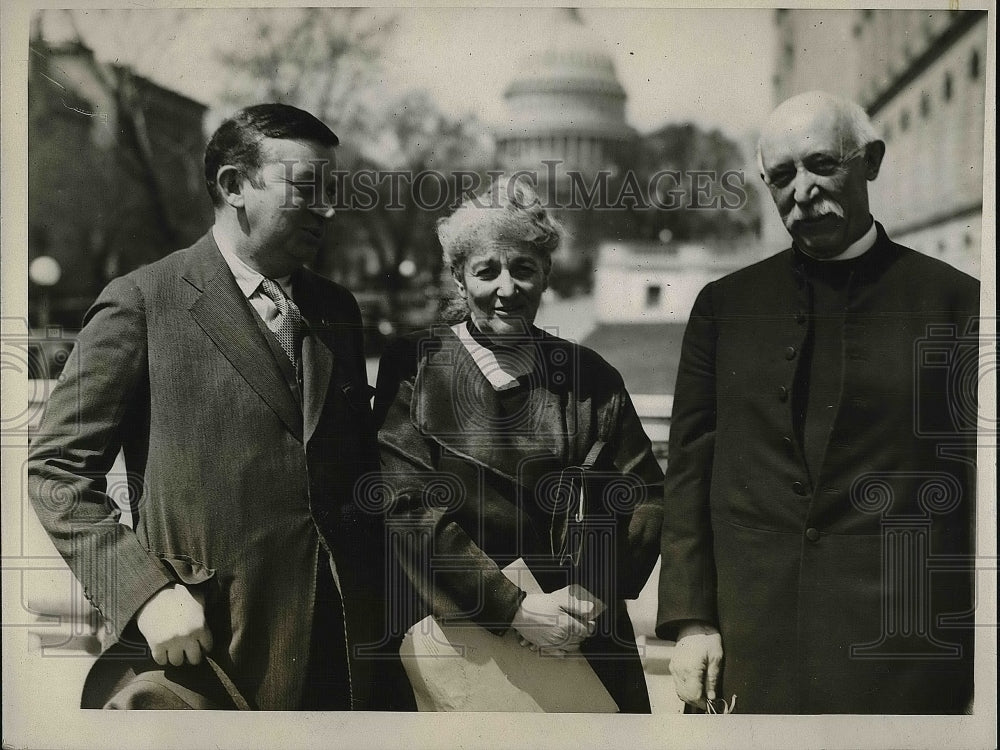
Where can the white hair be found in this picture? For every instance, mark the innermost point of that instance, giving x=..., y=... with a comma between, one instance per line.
x=859, y=126
x=511, y=210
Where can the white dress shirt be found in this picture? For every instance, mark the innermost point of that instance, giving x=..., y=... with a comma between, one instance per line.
x=249, y=280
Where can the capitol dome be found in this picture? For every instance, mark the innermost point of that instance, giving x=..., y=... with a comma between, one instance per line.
x=566, y=102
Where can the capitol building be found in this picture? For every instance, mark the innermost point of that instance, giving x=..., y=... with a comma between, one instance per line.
x=566, y=125
x=566, y=104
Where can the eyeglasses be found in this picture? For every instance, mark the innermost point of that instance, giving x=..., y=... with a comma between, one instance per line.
x=820, y=164
x=719, y=706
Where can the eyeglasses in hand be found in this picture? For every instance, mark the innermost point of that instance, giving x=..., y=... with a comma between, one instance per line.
x=719, y=706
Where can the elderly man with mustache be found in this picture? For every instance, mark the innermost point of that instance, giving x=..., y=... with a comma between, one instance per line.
x=822, y=454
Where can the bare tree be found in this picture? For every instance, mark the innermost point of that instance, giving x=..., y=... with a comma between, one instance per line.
x=427, y=153
x=329, y=61
x=321, y=59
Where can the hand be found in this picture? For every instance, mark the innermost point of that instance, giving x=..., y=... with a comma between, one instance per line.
x=173, y=623
x=559, y=621
x=696, y=662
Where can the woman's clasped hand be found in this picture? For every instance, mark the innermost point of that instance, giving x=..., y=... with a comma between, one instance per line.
x=558, y=622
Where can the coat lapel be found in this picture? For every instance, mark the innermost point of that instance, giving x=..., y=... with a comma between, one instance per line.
x=317, y=353
x=317, y=364
x=224, y=315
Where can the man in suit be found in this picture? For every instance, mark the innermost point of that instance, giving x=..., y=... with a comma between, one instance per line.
x=820, y=467
x=233, y=379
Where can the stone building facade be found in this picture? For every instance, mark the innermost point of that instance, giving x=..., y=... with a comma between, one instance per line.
x=921, y=75
x=115, y=172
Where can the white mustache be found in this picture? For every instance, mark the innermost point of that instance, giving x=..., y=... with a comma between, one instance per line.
x=823, y=207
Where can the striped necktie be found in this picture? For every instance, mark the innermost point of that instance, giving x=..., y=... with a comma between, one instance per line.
x=289, y=330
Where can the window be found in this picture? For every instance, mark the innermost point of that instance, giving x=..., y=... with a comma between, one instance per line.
x=904, y=120
x=653, y=294
x=925, y=105
x=887, y=133
x=947, y=87
x=974, y=65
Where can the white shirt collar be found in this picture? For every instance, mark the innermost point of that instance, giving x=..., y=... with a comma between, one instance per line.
x=247, y=279
x=859, y=247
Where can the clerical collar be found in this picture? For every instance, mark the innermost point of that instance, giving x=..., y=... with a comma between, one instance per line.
x=856, y=249
x=503, y=366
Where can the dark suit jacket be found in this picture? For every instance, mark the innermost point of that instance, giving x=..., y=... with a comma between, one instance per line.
x=472, y=474
x=800, y=575
x=238, y=485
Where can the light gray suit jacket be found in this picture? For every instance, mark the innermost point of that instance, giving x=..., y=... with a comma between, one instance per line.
x=238, y=481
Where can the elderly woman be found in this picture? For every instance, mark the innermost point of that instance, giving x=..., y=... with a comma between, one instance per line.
x=485, y=427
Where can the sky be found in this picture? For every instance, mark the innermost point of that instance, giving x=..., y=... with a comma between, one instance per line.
x=710, y=66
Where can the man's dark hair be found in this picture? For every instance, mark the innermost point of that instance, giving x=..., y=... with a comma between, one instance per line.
x=237, y=140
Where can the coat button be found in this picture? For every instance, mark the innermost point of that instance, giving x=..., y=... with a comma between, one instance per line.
x=812, y=534
x=789, y=445
x=789, y=352
x=782, y=393
x=799, y=489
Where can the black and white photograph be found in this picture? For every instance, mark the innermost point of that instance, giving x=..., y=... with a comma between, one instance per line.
x=460, y=377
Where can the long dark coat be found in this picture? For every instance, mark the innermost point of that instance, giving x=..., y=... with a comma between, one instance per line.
x=472, y=472
x=828, y=593
x=240, y=484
